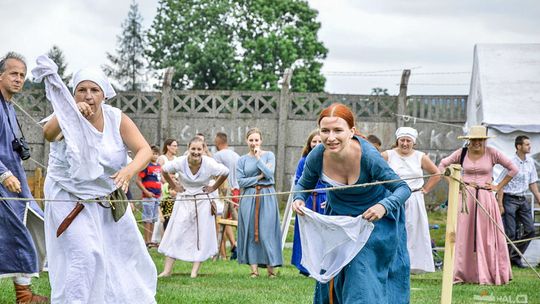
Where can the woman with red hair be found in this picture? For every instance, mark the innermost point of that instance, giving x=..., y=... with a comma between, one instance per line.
x=379, y=273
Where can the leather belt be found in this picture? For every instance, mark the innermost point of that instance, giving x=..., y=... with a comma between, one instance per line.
x=477, y=188
x=69, y=218
x=518, y=197
x=314, y=201
x=257, y=208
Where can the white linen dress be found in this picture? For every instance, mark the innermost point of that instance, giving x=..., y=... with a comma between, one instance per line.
x=416, y=220
x=191, y=233
x=95, y=260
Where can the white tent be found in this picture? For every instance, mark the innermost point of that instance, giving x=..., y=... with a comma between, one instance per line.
x=505, y=93
x=505, y=97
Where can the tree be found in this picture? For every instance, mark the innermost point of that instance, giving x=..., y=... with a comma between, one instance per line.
x=56, y=55
x=128, y=67
x=237, y=44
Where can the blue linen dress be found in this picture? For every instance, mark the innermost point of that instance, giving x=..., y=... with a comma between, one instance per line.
x=296, y=258
x=267, y=251
x=18, y=249
x=380, y=271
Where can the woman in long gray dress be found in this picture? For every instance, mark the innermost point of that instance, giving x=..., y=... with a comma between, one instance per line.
x=259, y=238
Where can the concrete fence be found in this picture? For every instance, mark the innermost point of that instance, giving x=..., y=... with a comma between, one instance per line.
x=285, y=118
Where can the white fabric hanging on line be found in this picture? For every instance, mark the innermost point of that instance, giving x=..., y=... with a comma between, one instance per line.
x=329, y=243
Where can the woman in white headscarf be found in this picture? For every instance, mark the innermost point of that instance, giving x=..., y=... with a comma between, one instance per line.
x=95, y=252
x=407, y=163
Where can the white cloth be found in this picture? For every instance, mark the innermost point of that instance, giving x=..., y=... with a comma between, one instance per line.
x=329, y=243
x=416, y=220
x=83, y=163
x=95, y=75
x=407, y=167
x=96, y=260
x=191, y=233
x=408, y=132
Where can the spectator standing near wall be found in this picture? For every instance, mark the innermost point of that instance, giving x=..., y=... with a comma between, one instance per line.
x=515, y=208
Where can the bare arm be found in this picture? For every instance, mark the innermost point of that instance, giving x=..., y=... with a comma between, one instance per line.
x=51, y=129
x=384, y=154
x=135, y=141
x=138, y=181
x=219, y=181
x=534, y=189
x=431, y=168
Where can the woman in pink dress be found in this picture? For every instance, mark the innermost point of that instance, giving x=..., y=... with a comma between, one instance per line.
x=481, y=251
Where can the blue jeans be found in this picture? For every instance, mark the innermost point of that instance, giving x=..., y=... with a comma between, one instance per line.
x=517, y=210
x=150, y=212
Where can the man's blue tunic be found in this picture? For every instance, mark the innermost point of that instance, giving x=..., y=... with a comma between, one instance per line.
x=18, y=254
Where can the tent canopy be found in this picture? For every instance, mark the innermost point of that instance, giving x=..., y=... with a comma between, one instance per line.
x=505, y=87
x=505, y=95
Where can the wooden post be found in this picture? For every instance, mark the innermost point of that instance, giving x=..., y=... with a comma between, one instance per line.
x=164, y=125
x=450, y=240
x=402, y=97
x=287, y=216
x=284, y=102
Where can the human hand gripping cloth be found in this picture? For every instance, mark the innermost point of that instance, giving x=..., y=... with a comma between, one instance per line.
x=329, y=243
x=81, y=147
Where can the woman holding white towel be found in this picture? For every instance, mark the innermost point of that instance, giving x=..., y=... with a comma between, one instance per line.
x=95, y=252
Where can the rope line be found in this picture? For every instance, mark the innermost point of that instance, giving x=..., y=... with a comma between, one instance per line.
x=38, y=163
x=37, y=123
x=240, y=196
x=501, y=230
x=27, y=114
x=407, y=118
x=526, y=240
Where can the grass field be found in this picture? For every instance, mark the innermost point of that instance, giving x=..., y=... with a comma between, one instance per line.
x=228, y=282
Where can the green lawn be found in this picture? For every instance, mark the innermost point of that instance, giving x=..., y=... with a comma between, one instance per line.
x=228, y=282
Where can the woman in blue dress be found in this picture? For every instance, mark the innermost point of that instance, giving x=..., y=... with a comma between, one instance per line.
x=380, y=271
x=318, y=196
x=259, y=237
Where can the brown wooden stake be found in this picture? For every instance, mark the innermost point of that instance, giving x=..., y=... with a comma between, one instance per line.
x=450, y=240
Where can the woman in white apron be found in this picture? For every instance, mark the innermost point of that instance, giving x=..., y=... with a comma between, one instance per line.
x=191, y=234
x=95, y=253
x=407, y=163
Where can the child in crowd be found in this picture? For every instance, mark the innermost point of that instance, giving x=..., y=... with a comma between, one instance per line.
x=149, y=181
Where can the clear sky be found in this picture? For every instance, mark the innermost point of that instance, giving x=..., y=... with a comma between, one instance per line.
x=433, y=38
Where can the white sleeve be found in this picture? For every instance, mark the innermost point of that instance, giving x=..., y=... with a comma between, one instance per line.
x=172, y=166
x=215, y=168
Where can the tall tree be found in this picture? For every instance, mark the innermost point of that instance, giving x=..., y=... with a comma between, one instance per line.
x=128, y=66
x=56, y=55
x=237, y=44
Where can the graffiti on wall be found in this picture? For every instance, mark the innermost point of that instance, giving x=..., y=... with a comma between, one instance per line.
x=235, y=135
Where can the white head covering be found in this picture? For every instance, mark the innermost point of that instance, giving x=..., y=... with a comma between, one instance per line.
x=97, y=76
x=407, y=131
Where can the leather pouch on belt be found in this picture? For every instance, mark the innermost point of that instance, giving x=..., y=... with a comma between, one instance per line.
x=119, y=204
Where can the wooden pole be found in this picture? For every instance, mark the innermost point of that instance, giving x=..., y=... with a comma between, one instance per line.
x=287, y=216
x=284, y=103
x=450, y=240
x=166, y=102
x=402, y=97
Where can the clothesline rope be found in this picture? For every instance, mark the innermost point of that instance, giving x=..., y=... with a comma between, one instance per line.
x=407, y=118
x=447, y=172
x=27, y=114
